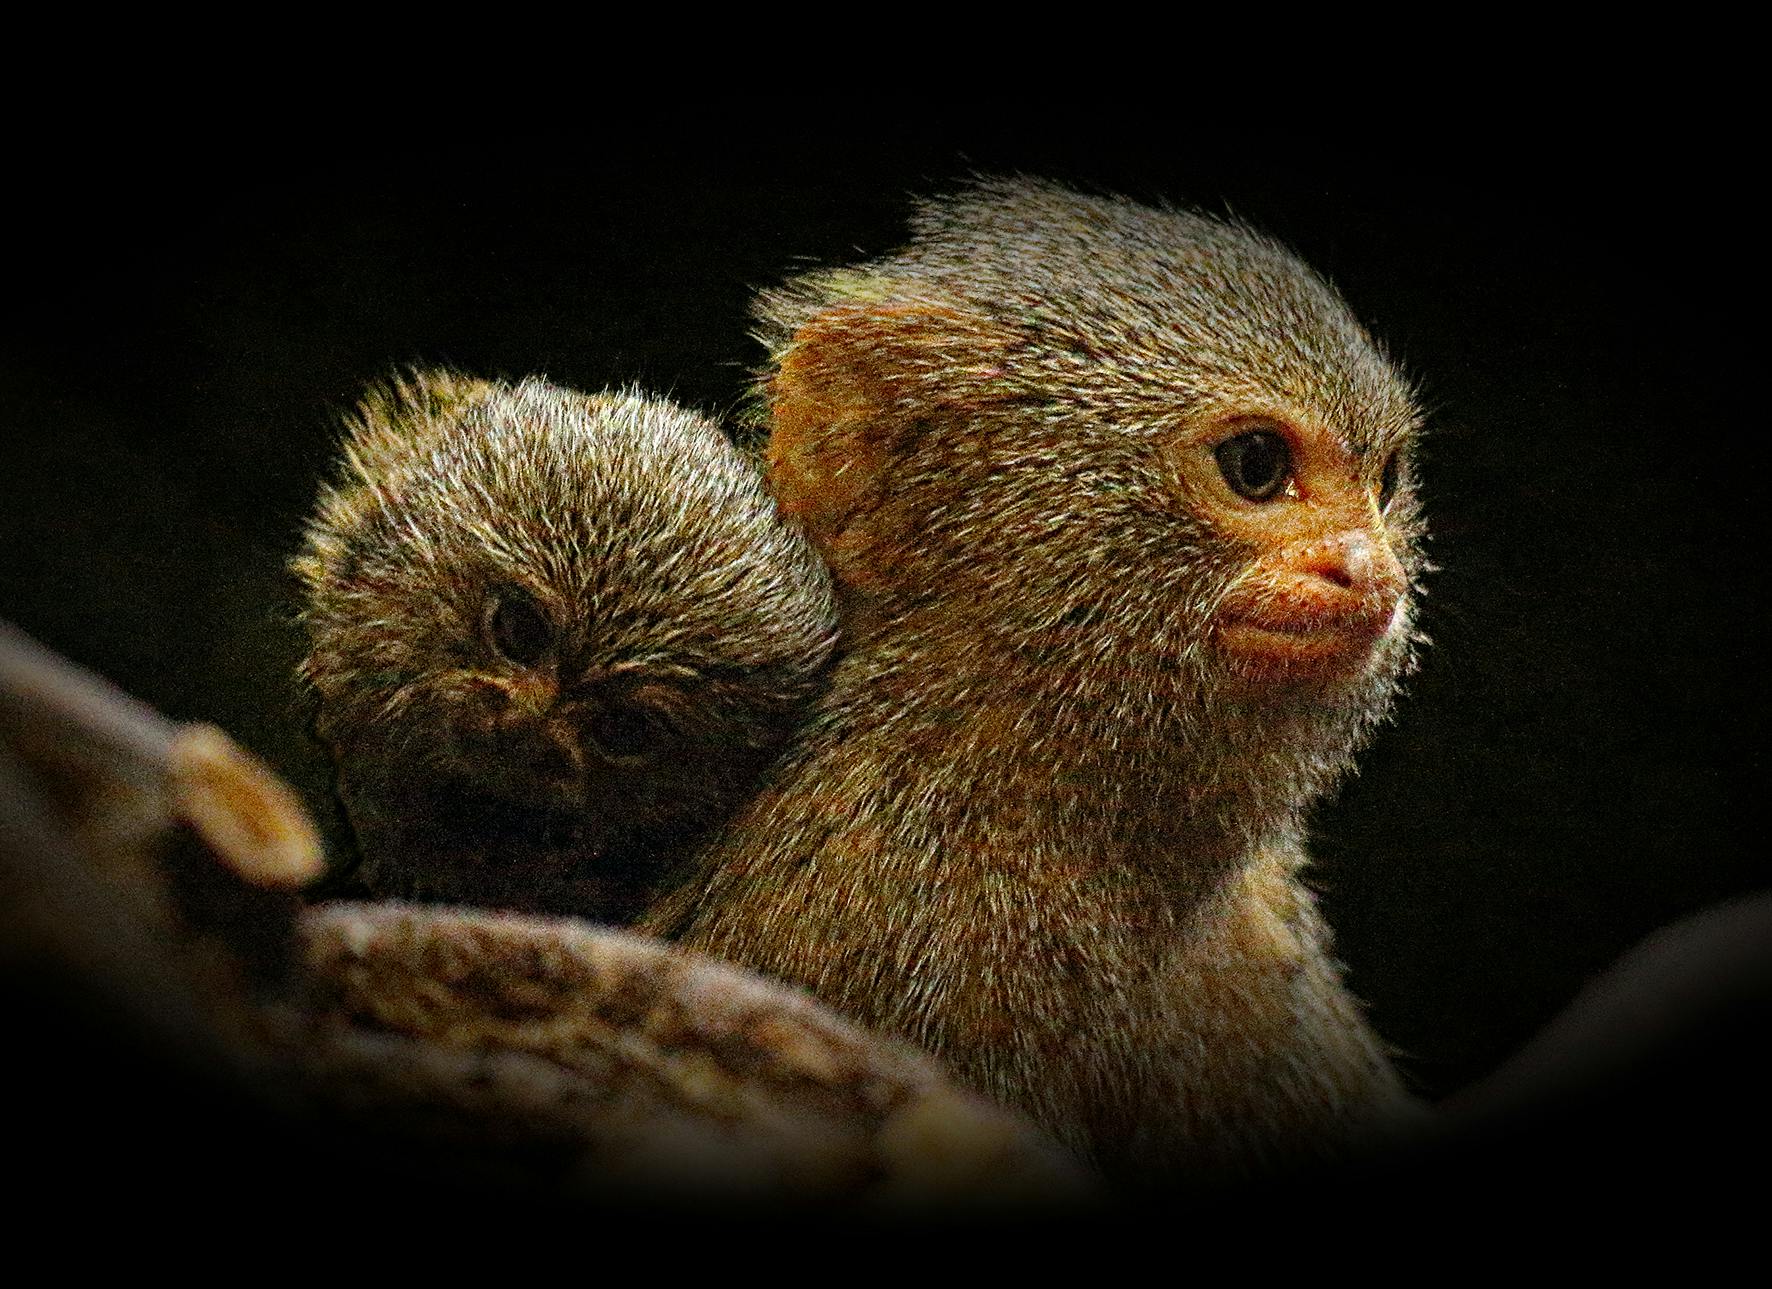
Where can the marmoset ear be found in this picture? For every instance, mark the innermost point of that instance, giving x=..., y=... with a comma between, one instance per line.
x=854, y=393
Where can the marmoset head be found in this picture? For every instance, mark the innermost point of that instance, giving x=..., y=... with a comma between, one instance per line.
x=555, y=637
x=1145, y=457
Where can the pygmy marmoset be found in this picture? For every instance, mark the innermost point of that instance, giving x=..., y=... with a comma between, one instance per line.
x=1120, y=506
x=556, y=639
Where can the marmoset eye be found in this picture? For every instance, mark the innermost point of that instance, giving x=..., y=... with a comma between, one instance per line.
x=1387, y=481
x=518, y=629
x=1256, y=465
x=626, y=732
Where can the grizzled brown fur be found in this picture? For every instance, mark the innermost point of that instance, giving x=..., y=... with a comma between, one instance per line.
x=555, y=639
x=1041, y=823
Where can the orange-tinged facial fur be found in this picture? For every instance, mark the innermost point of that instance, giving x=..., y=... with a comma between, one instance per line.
x=1324, y=587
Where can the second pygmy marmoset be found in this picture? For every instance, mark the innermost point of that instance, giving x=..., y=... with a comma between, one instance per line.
x=556, y=638
x=1121, y=510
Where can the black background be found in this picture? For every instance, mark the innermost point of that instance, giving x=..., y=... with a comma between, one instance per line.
x=184, y=321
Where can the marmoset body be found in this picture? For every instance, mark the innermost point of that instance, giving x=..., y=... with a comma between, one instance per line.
x=1122, y=514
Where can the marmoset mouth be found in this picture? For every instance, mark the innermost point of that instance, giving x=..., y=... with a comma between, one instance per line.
x=495, y=821
x=509, y=855
x=1303, y=647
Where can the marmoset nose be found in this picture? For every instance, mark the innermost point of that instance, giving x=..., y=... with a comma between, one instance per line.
x=1354, y=561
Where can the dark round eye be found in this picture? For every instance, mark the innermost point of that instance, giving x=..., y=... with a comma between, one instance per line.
x=518, y=628
x=1256, y=465
x=1387, y=480
x=625, y=732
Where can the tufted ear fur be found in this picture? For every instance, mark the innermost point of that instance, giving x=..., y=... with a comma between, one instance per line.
x=856, y=393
